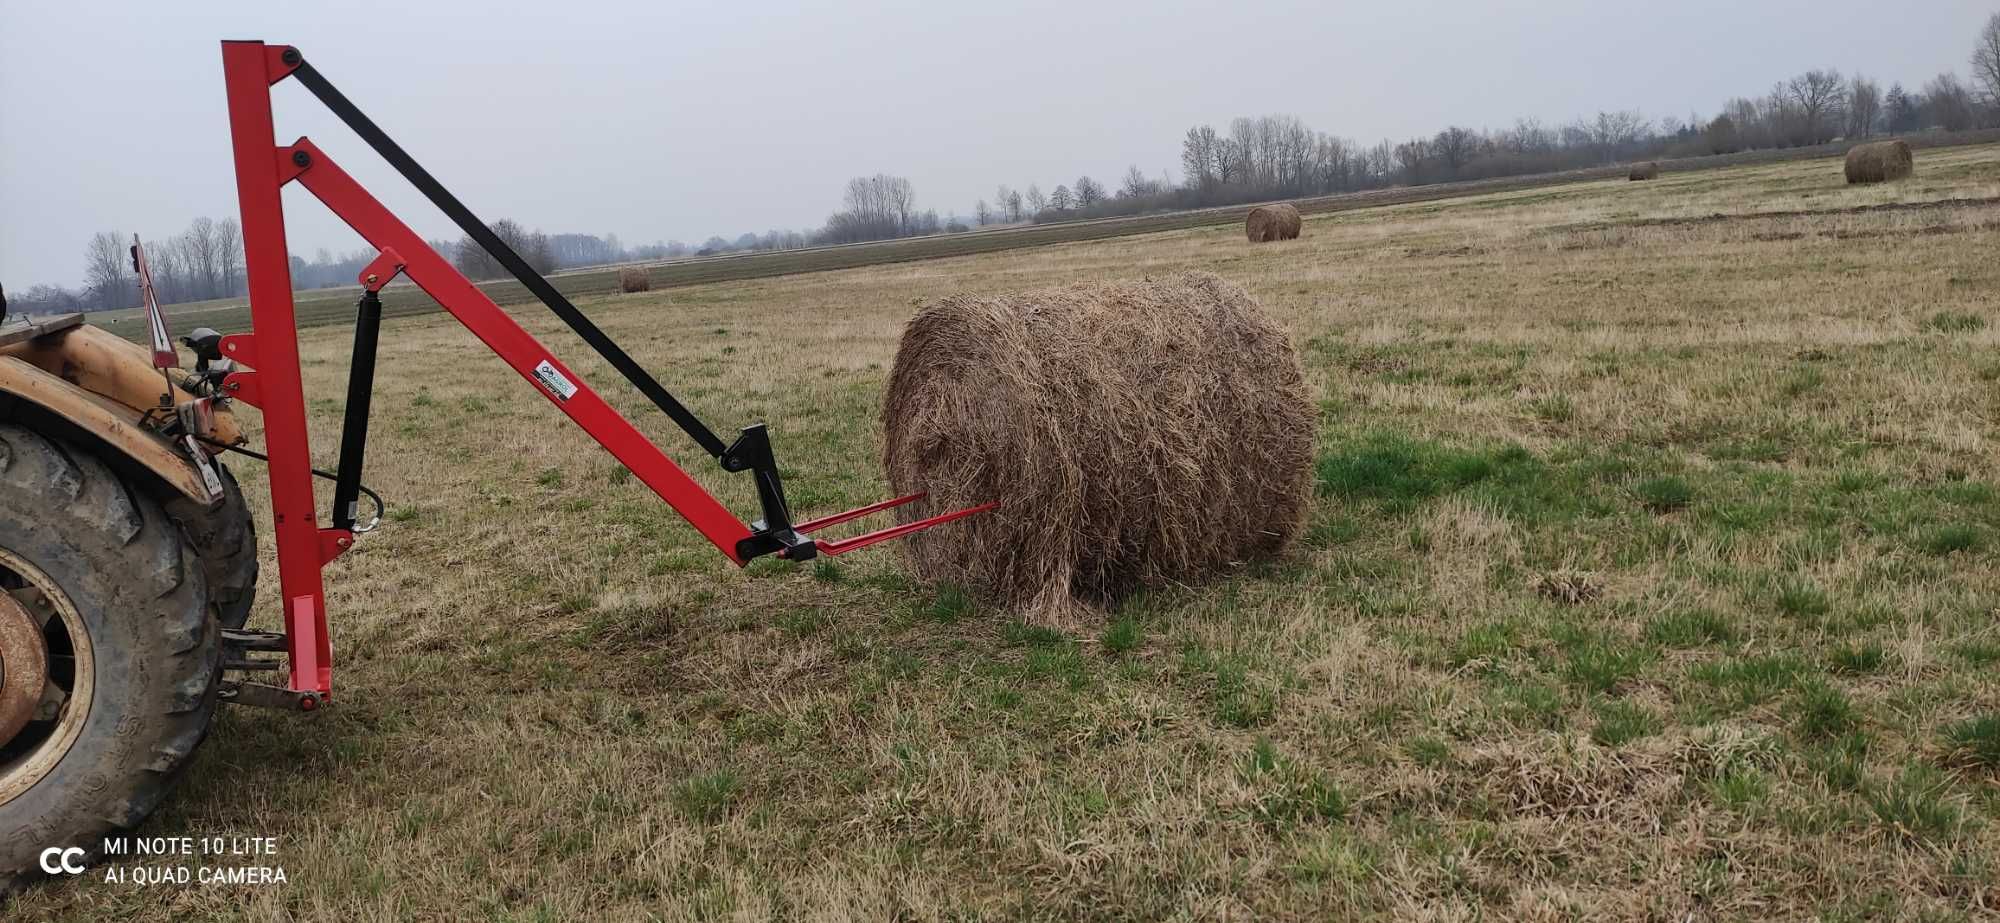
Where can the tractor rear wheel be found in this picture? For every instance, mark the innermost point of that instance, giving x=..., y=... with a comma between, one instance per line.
x=109, y=653
x=225, y=538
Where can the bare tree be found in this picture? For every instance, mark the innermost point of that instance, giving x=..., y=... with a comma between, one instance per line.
x=1986, y=62
x=204, y=257
x=1037, y=203
x=1088, y=192
x=107, y=270
x=1381, y=162
x=1201, y=158
x=1454, y=148
x=1720, y=137
x=1528, y=136
x=1864, y=106
x=1137, y=185
x=1061, y=200
x=1410, y=157
x=1613, y=131
x=1008, y=203
x=1333, y=165
x=228, y=258
x=1950, y=103
x=1900, y=111
x=1819, y=98
x=982, y=213
x=877, y=207
x=1751, y=124
x=1231, y=162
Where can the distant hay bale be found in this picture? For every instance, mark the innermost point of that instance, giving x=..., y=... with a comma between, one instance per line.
x=1879, y=162
x=634, y=279
x=1272, y=222
x=1134, y=433
x=1647, y=170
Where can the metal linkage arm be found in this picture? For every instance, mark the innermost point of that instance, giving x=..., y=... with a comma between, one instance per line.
x=515, y=265
x=443, y=282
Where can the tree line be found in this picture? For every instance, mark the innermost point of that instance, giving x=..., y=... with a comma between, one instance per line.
x=205, y=261
x=1277, y=156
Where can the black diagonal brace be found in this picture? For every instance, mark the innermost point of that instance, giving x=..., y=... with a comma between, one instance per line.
x=519, y=268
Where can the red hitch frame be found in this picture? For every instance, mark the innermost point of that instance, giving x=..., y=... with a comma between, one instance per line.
x=270, y=378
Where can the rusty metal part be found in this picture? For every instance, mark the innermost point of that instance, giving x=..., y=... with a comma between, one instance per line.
x=24, y=667
x=60, y=707
x=104, y=418
x=104, y=385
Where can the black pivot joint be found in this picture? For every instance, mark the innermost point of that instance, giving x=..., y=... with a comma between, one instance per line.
x=772, y=534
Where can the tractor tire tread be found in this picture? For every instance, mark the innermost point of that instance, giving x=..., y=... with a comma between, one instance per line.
x=133, y=577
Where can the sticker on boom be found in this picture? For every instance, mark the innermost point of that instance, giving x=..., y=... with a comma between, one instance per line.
x=561, y=387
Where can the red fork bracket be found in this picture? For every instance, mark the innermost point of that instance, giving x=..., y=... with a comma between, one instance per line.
x=845, y=545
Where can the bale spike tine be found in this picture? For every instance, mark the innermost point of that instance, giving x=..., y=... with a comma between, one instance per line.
x=872, y=508
x=845, y=545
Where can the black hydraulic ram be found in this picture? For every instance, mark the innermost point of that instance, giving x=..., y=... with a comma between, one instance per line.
x=354, y=426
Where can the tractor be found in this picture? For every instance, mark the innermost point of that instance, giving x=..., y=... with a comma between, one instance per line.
x=128, y=555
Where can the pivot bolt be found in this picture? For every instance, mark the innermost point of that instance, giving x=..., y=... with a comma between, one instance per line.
x=290, y=56
x=302, y=159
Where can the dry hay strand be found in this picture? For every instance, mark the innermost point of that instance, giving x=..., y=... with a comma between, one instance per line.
x=1879, y=162
x=1647, y=170
x=1568, y=586
x=634, y=279
x=1272, y=222
x=1135, y=434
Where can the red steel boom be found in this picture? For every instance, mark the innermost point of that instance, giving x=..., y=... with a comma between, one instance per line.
x=271, y=381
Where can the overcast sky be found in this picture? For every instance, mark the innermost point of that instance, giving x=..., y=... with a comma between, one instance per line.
x=660, y=121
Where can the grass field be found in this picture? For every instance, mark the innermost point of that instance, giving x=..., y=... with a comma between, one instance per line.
x=1652, y=575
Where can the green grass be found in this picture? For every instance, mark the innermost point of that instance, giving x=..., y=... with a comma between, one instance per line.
x=1751, y=680
x=1825, y=712
x=1664, y=495
x=1601, y=665
x=1399, y=471
x=1800, y=599
x=1951, y=322
x=1690, y=629
x=1952, y=539
x=1975, y=741
x=1917, y=805
x=1620, y=723
x=708, y=797
x=1858, y=659
x=1123, y=636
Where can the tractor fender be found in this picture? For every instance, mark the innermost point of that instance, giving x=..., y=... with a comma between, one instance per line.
x=46, y=399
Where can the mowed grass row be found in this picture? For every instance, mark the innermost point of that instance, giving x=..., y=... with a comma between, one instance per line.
x=1652, y=575
x=336, y=306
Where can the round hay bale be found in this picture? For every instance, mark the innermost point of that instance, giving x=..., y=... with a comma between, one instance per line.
x=1643, y=171
x=1879, y=162
x=1272, y=222
x=634, y=279
x=1135, y=434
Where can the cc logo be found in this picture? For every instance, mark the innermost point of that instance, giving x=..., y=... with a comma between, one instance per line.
x=57, y=860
